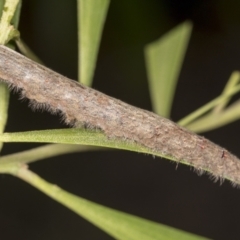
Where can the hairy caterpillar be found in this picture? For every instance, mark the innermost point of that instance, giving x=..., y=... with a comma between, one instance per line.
x=83, y=106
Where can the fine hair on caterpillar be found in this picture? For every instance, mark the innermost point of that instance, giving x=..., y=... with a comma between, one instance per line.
x=82, y=106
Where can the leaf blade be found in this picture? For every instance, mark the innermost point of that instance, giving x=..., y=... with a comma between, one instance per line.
x=164, y=59
x=43, y=152
x=215, y=120
x=10, y=12
x=4, y=102
x=91, y=18
x=118, y=224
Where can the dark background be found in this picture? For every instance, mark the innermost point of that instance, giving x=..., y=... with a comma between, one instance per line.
x=148, y=187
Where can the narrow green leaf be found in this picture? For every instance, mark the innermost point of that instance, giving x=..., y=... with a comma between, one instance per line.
x=220, y=115
x=120, y=225
x=91, y=18
x=1, y=7
x=207, y=107
x=215, y=120
x=25, y=50
x=4, y=102
x=6, y=29
x=231, y=83
x=164, y=59
x=10, y=12
x=72, y=136
x=43, y=152
x=16, y=16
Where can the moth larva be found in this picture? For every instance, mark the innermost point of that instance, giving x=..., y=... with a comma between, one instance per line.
x=84, y=106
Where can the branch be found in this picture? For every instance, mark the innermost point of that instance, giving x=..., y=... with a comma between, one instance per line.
x=85, y=107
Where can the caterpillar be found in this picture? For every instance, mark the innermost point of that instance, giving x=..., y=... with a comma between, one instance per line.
x=83, y=106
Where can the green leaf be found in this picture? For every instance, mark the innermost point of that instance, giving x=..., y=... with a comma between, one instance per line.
x=4, y=102
x=91, y=18
x=231, y=83
x=8, y=9
x=220, y=114
x=43, y=152
x=164, y=59
x=207, y=107
x=117, y=224
x=216, y=119
x=16, y=16
x=25, y=50
x=72, y=136
x=6, y=29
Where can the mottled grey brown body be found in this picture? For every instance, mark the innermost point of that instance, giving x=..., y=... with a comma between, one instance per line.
x=83, y=106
